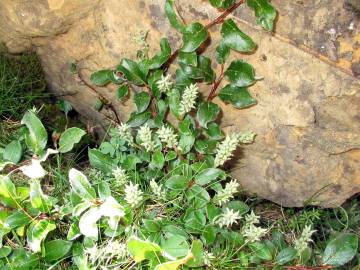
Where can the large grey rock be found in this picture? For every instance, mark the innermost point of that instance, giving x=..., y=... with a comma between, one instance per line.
x=308, y=116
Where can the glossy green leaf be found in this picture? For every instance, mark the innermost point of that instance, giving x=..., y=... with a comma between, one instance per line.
x=222, y=53
x=197, y=250
x=101, y=77
x=142, y=101
x=188, y=58
x=186, y=142
x=264, y=12
x=286, y=255
x=8, y=194
x=261, y=250
x=238, y=206
x=137, y=119
x=340, y=250
x=208, y=175
x=152, y=226
x=56, y=249
x=37, y=137
x=174, y=102
x=203, y=71
x=132, y=72
x=172, y=16
x=194, y=35
x=214, y=132
x=240, y=73
x=5, y=251
x=38, y=199
x=223, y=4
x=80, y=185
x=176, y=246
x=207, y=112
x=158, y=159
x=122, y=92
x=141, y=250
x=239, y=97
x=37, y=232
x=69, y=138
x=235, y=39
x=13, y=152
x=16, y=219
x=177, y=182
x=158, y=60
x=101, y=161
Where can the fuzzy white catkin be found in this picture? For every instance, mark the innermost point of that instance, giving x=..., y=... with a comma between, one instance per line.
x=164, y=84
x=124, y=132
x=225, y=148
x=301, y=243
x=133, y=195
x=168, y=136
x=227, y=193
x=120, y=176
x=188, y=99
x=252, y=218
x=157, y=189
x=228, y=218
x=145, y=136
x=253, y=233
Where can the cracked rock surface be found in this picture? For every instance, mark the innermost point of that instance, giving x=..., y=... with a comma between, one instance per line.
x=308, y=115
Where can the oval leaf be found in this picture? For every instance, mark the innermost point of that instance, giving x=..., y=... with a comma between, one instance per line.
x=69, y=138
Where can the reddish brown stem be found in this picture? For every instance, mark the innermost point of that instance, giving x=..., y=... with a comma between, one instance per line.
x=216, y=84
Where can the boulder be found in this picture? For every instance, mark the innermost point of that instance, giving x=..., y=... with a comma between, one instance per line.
x=307, y=150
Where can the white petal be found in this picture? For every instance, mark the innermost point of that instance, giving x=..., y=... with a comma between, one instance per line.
x=34, y=170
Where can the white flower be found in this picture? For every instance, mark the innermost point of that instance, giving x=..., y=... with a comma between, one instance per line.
x=225, y=148
x=124, y=132
x=253, y=233
x=188, y=99
x=157, y=189
x=252, y=218
x=208, y=257
x=168, y=136
x=145, y=136
x=228, y=218
x=227, y=193
x=164, y=84
x=247, y=137
x=302, y=242
x=120, y=176
x=133, y=194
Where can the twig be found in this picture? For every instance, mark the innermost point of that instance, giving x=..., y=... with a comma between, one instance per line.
x=216, y=84
x=102, y=98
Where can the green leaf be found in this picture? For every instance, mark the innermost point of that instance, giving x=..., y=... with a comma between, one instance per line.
x=235, y=39
x=206, y=146
x=223, y=4
x=5, y=251
x=158, y=60
x=13, y=152
x=152, y=226
x=214, y=132
x=142, y=101
x=64, y=106
x=197, y=250
x=80, y=185
x=88, y=223
x=209, y=234
x=208, y=175
x=56, y=249
x=194, y=35
x=176, y=246
x=286, y=255
x=238, y=206
x=264, y=12
x=190, y=59
x=141, y=250
x=38, y=199
x=158, y=159
x=7, y=192
x=122, y=92
x=98, y=105
x=186, y=142
x=177, y=182
x=239, y=97
x=340, y=250
x=173, y=265
x=174, y=102
x=172, y=16
x=130, y=162
x=152, y=82
x=207, y=112
x=101, y=161
x=37, y=232
x=16, y=219
x=202, y=71
x=69, y=138
x=240, y=73
x=137, y=119
x=132, y=72
x=222, y=53
x=170, y=156
x=261, y=250
x=101, y=77
x=37, y=137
